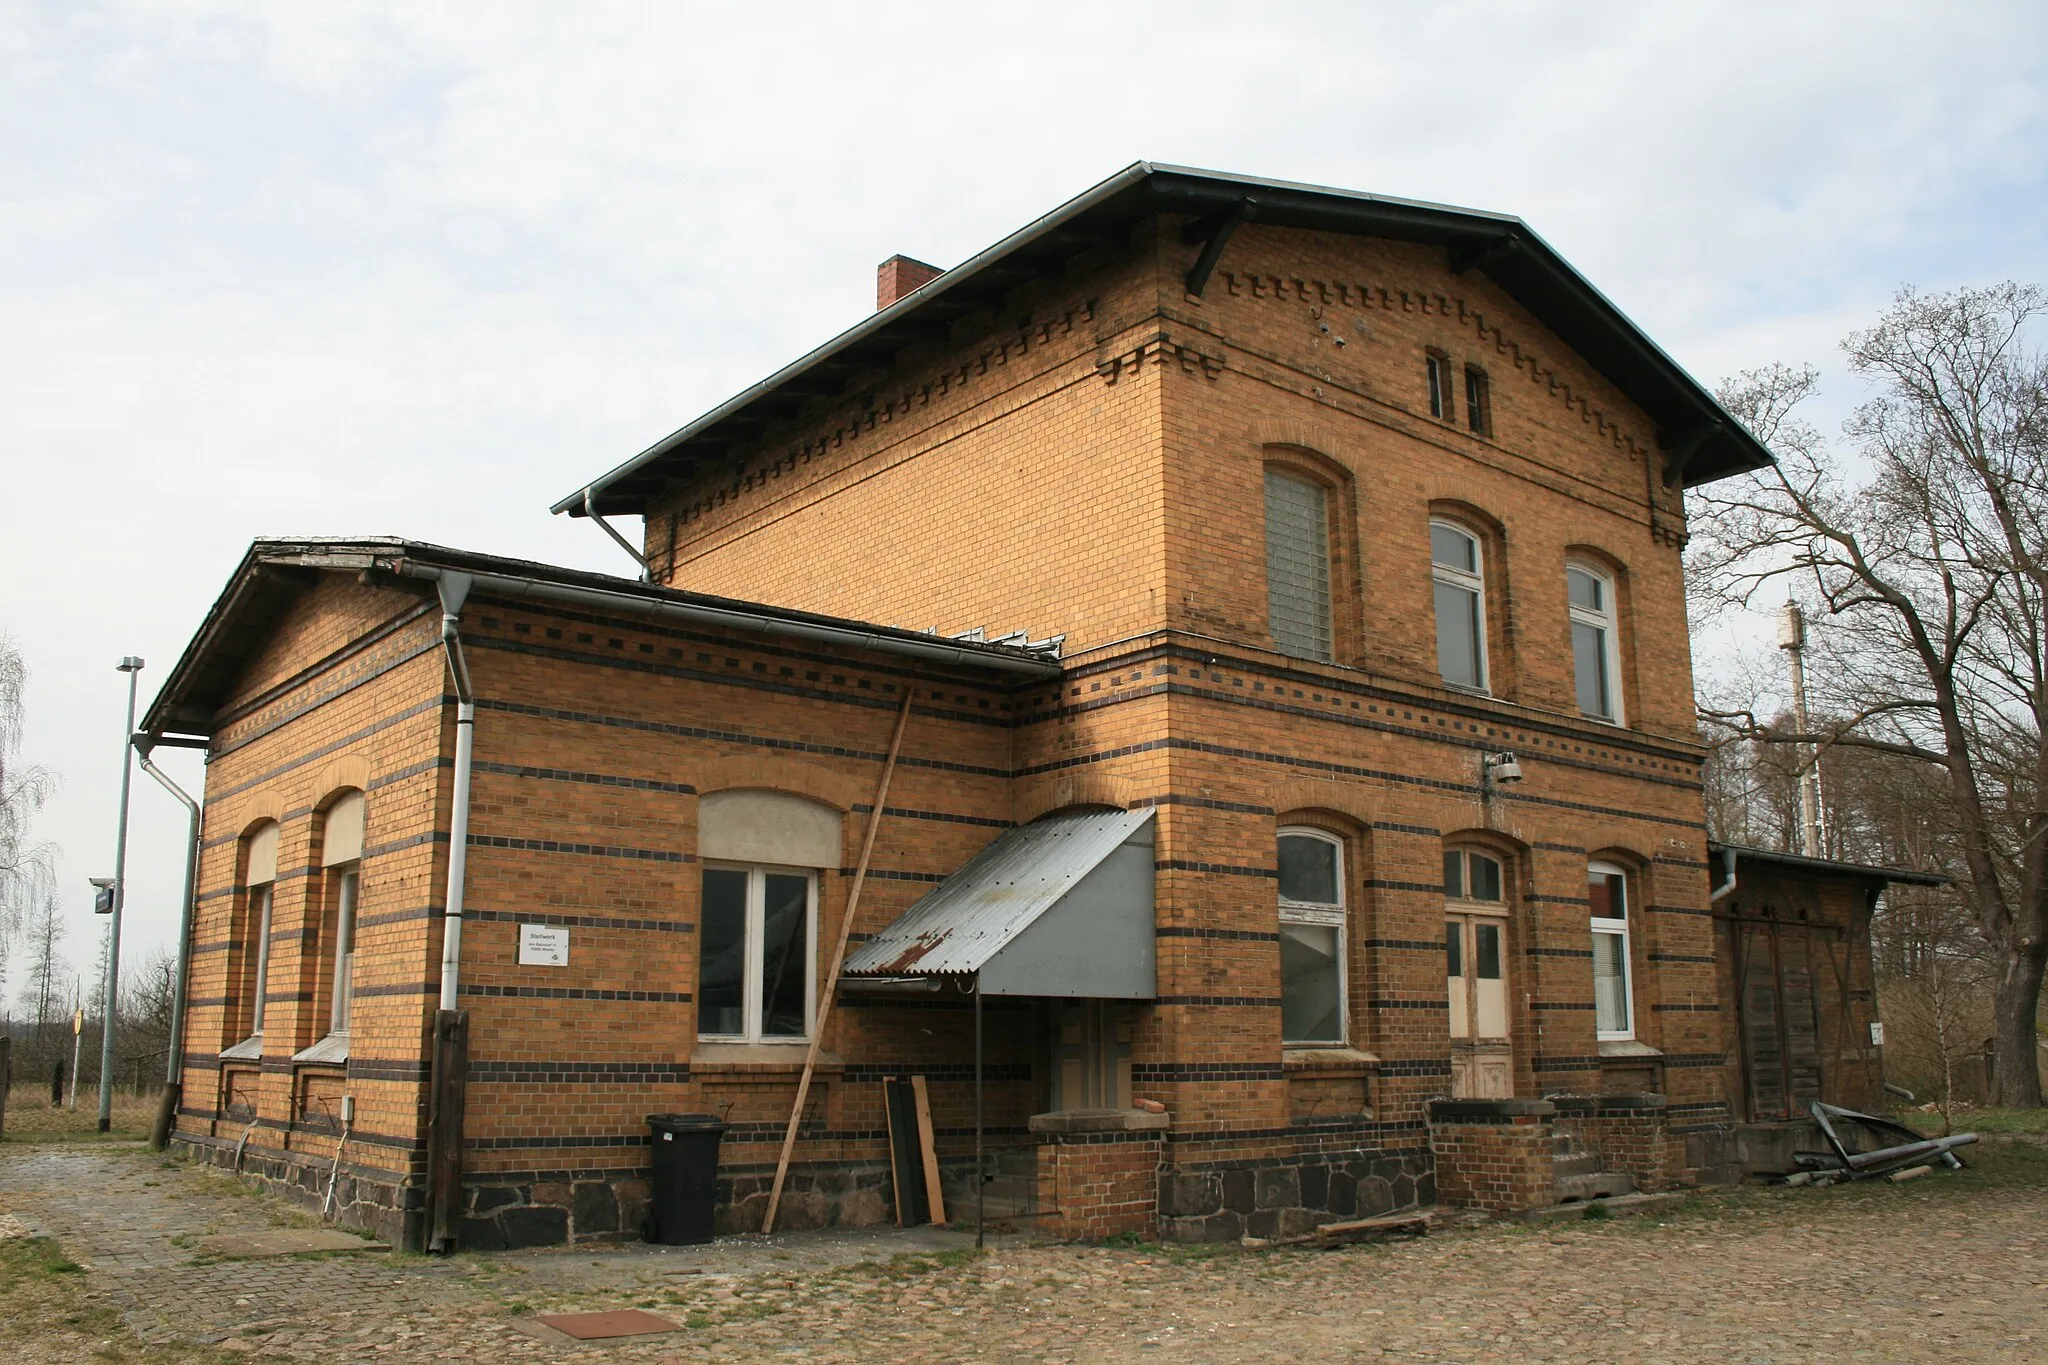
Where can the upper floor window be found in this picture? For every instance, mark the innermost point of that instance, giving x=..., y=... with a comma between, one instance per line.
x=1594, y=655
x=1458, y=568
x=1298, y=564
x=1613, y=1010
x=1437, y=369
x=1478, y=401
x=1311, y=937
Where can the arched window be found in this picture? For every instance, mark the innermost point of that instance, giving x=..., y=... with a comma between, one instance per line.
x=1312, y=953
x=1595, y=654
x=1298, y=564
x=1458, y=567
x=259, y=878
x=757, y=943
x=1613, y=1007
x=340, y=860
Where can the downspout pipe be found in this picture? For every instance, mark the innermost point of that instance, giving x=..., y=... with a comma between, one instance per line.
x=454, y=590
x=1721, y=892
x=174, y=1066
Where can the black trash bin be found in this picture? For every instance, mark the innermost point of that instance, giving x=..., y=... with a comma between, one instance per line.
x=685, y=1177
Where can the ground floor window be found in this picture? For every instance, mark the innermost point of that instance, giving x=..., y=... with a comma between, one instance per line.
x=1613, y=1011
x=757, y=943
x=1311, y=937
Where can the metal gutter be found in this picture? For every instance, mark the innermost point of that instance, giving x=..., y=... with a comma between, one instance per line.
x=764, y=623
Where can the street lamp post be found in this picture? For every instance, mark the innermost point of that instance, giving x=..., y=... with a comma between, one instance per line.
x=131, y=666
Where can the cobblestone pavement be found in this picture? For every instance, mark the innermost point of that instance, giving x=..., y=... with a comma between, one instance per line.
x=1916, y=1272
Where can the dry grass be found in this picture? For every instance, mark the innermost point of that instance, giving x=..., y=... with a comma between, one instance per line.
x=31, y=1119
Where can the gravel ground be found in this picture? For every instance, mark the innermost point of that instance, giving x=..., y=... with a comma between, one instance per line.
x=1946, y=1268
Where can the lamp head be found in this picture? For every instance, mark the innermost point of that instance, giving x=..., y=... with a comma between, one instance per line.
x=129, y=664
x=1503, y=767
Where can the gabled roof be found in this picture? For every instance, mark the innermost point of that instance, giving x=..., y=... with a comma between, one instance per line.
x=1701, y=437
x=274, y=573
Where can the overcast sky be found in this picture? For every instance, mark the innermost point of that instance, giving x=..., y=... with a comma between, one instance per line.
x=420, y=270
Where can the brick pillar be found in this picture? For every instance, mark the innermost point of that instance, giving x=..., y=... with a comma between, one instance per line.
x=1495, y=1155
x=1098, y=1171
x=1631, y=1132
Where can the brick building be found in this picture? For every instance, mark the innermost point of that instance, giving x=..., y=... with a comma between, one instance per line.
x=1289, y=613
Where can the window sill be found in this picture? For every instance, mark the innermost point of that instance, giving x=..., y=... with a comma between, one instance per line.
x=1300, y=1059
x=329, y=1051
x=762, y=1058
x=250, y=1049
x=1626, y=1048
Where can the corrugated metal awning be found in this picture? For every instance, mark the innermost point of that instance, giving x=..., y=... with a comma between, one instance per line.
x=1060, y=907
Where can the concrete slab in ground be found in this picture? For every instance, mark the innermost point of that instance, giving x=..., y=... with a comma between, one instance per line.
x=287, y=1242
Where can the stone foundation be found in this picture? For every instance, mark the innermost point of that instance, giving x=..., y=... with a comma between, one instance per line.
x=379, y=1204
x=1284, y=1196
x=1496, y=1155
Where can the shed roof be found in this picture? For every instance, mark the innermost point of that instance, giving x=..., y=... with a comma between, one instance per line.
x=1706, y=442
x=1003, y=891
x=1827, y=867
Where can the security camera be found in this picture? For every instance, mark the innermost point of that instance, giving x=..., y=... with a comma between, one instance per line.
x=1504, y=768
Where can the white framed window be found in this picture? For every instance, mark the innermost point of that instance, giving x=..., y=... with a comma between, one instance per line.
x=1457, y=566
x=757, y=949
x=1298, y=564
x=1613, y=1005
x=1470, y=875
x=1312, y=974
x=1595, y=658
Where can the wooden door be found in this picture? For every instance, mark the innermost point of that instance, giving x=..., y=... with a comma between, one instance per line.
x=1780, y=1019
x=1482, y=1050
x=1091, y=1054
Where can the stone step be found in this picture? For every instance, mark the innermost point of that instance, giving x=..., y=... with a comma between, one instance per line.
x=1598, y=1185
x=1579, y=1163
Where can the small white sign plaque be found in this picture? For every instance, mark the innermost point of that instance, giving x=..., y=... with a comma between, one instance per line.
x=543, y=945
x=1876, y=1033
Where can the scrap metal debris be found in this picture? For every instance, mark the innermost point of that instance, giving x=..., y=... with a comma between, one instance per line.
x=1903, y=1161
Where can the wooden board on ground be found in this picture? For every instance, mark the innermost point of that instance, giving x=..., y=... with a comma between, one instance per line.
x=934, y=1193
x=1413, y=1223
x=906, y=1160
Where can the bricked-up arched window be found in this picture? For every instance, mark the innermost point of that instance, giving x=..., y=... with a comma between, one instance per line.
x=1613, y=1002
x=259, y=879
x=1596, y=655
x=1312, y=938
x=1298, y=564
x=1458, y=572
x=758, y=936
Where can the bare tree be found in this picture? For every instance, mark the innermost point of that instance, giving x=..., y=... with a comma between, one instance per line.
x=26, y=867
x=45, y=989
x=1929, y=557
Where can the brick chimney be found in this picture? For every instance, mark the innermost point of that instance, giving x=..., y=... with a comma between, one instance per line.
x=900, y=275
